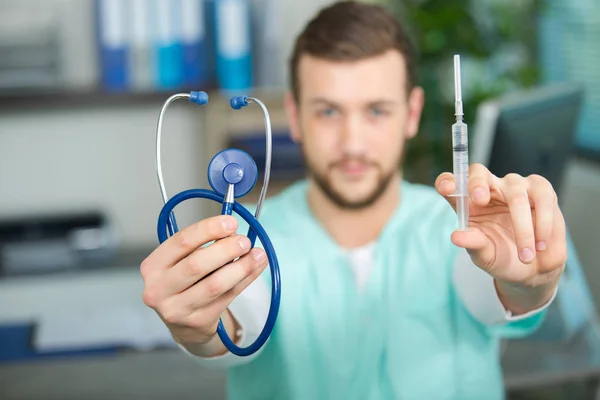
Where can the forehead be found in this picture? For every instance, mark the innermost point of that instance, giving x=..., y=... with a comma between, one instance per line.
x=371, y=79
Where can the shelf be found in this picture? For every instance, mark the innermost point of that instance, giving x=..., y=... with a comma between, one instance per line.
x=124, y=259
x=56, y=98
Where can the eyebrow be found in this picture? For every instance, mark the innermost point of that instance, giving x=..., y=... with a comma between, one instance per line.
x=389, y=103
x=381, y=102
x=321, y=100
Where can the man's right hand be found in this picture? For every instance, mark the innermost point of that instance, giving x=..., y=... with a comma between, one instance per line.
x=191, y=287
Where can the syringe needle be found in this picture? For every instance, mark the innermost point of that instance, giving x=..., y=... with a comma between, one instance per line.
x=458, y=108
x=457, y=89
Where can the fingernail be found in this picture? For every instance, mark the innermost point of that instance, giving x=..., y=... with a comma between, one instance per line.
x=479, y=194
x=229, y=223
x=244, y=242
x=445, y=185
x=540, y=245
x=258, y=254
x=526, y=254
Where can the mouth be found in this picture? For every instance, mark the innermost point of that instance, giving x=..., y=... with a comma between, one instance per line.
x=353, y=168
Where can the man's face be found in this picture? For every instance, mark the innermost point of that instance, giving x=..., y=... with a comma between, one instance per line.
x=352, y=120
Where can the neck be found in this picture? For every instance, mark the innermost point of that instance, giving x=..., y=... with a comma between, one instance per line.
x=354, y=228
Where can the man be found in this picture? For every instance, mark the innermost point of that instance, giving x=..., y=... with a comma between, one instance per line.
x=381, y=297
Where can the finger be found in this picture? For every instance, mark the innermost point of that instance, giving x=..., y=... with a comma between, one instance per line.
x=187, y=240
x=240, y=287
x=555, y=254
x=479, y=184
x=444, y=184
x=226, y=299
x=544, y=202
x=473, y=239
x=203, y=262
x=477, y=244
x=190, y=313
x=515, y=190
x=208, y=317
x=224, y=280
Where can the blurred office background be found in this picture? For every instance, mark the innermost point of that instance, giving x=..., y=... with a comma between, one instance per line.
x=81, y=86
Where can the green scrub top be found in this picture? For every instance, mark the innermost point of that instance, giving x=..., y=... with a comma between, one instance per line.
x=406, y=335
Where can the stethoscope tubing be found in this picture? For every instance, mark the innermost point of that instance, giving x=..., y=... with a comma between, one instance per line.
x=167, y=224
x=255, y=230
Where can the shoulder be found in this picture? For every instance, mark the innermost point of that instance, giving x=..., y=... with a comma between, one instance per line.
x=421, y=234
x=282, y=208
x=427, y=218
x=286, y=200
x=426, y=204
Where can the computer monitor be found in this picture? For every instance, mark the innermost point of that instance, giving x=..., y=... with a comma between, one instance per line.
x=528, y=132
x=533, y=132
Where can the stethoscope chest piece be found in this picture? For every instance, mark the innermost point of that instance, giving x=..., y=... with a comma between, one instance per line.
x=232, y=167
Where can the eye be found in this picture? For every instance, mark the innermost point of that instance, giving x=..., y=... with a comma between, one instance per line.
x=327, y=112
x=378, y=111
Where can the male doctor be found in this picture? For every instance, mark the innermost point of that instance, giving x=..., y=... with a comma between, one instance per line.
x=382, y=298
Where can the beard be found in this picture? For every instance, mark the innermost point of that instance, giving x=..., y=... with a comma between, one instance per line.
x=324, y=181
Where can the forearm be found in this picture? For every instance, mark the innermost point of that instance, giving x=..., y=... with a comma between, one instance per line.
x=215, y=347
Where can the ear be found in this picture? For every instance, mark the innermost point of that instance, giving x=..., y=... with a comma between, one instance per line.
x=416, y=100
x=291, y=109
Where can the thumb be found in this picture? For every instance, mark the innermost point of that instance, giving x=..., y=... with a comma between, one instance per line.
x=478, y=245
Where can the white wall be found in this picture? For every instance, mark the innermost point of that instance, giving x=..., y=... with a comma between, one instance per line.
x=58, y=160
x=52, y=160
x=55, y=159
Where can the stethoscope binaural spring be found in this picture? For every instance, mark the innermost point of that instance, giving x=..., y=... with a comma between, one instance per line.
x=232, y=174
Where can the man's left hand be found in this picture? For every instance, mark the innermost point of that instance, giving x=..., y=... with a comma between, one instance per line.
x=516, y=233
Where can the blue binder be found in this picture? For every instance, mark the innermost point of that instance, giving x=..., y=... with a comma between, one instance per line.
x=113, y=44
x=233, y=44
x=169, y=49
x=193, y=36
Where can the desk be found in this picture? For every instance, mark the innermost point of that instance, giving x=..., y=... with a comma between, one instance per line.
x=92, y=294
x=531, y=364
x=156, y=375
x=171, y=374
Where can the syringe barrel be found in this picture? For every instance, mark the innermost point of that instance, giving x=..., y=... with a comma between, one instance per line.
x=460, y=153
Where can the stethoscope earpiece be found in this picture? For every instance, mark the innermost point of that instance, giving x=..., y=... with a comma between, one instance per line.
x=237, y=102
x=232, y=173
x=200, y=98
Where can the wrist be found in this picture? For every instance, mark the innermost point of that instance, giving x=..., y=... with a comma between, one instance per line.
x=213, y=346
x=209, y=348
x=520, y=298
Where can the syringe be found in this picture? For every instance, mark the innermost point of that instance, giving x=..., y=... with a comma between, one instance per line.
x=460, y=153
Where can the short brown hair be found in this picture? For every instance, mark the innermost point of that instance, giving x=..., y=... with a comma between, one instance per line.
x=352, y=31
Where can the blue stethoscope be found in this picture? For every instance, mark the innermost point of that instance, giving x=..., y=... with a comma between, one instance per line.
x=232, y=173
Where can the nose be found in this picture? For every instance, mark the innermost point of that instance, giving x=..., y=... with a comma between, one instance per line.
x=353, y=136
